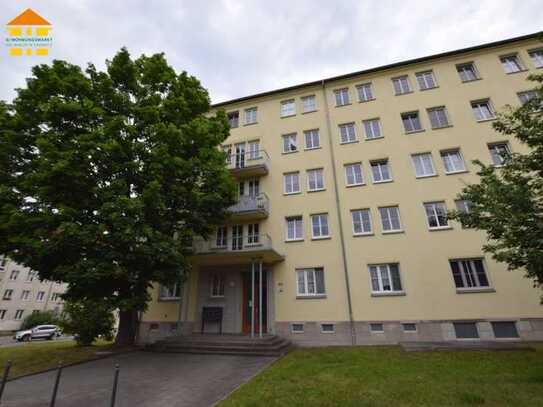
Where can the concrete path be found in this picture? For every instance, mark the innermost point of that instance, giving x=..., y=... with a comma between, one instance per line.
x=146, y=380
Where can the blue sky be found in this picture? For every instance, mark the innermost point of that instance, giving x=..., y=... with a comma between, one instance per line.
x=237, y=48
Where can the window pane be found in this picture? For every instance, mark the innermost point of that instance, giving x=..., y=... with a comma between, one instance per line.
x=481, y=275
x=395, y=275
x=505, y=329
x=374, y=279
x=301, y=281
x=319, y=276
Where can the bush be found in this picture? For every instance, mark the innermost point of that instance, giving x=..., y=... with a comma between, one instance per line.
x=87, y=320
x=39, y=318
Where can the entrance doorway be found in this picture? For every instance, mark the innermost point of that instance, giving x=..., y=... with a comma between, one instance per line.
x=248, y=302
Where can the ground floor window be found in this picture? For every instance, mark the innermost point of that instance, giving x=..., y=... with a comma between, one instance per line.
x=310, y=281
x=217, y=285
x=19, y=314
x=385, y=278
x=469, y=273
x=170, y=292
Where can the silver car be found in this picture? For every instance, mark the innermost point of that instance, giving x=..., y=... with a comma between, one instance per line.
x=38, y=332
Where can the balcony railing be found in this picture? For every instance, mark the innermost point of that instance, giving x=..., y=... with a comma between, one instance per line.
x=250, y=162
x=251, y=207
x=233, y=244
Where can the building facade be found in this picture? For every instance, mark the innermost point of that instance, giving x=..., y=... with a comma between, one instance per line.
x=340, y=235
x=22, y=293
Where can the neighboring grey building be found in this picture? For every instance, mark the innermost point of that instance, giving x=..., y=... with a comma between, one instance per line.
x=22, y=292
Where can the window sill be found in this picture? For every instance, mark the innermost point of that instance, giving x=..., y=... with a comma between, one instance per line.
x=442, y=127
x=311, y=297
x=327, y=332
x=425, y=176
x=433, y=87
x=366, y=100
x=348, y=142
x=471, y=80
x=355, y=185
x=288, y=115
x=363, y=234
x=403, y=93
x=475, y=290
x=345, y=104
x=316, y=190
x=310, y=111
x=392, y=232
x=374, y=138
x=520, y=71
x=292, y=193
x=486, y=120
x=250, y=124
x=383, y=182
x=312, y=148
x=290, y=152
x=322, y=238
x=390, y=294
x=216, y=297
x=293, y=240
x=415, y=131
x=169, y=299
x=437, y=229
x=456, y=172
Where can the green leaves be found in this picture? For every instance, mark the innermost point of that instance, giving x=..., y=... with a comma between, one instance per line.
x=98, y=171
x=508, y=201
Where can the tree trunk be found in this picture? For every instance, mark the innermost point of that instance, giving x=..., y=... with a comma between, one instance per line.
x=128, y=324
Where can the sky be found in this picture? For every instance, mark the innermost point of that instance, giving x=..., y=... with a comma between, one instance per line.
x=239, y=48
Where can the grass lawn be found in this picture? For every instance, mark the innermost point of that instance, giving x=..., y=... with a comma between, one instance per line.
x=37, y=356
x=388, y=376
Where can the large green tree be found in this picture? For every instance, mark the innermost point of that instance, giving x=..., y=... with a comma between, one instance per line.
x=507, y=203
x=106, y=176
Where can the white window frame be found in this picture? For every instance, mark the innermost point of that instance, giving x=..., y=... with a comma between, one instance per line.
x=286, y=177
x=323, y=331
x=354, y=175
x=298, y=228
x=378, y=164
x=306, y=272
x=309, y=107
x=14, y=275
x=26, y=295
x=480, y=113
x=423, y=164
x=385, y=268
x=356, y=212
x=216, y=291
x=314, y=134
x=473, y=70
x=389, y=219
x=342, y=97
x=8, y=294
x=536, y=55
x=287, y=138
x=440, y=123
x=347, y=133
x=404, y=85
x=251, y=115
x=288, y=108
x=18, y=314
x=445, y=154
x=315, y=180
x=470, y=278
x=501, y=144
x=369, y=124
x=41, y=297
x=433, y=208
x=320, y=225
x=512, y=63
x=297, y=331
x=233, y=113
x=412, y=118
x=365, y=92
x=527, y=95
x=2, y=314
x=423, y=80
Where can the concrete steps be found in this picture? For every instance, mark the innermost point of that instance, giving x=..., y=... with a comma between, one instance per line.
x=269, y=345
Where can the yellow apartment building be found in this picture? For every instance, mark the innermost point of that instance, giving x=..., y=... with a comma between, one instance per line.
x=340, y=235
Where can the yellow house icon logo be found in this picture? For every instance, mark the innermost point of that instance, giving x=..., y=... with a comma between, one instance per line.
x=29, y=34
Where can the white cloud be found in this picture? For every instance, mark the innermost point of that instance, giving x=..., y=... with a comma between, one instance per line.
x=238, y=48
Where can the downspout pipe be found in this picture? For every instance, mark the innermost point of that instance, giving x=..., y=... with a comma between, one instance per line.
x=338, y=210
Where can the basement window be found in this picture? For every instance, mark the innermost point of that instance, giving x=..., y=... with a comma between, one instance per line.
x=466, y=330
x=377, y=328
x=409, y=327
x=328, y=328
x=297, y=328
x=505, y=329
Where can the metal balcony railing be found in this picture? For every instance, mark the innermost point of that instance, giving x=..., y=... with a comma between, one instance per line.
x=247, y=159
x=233, y=244
x=251, y=203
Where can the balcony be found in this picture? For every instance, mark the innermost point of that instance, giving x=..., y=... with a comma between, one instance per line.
x=250, y=207
x=235, y=250
x=248, y=163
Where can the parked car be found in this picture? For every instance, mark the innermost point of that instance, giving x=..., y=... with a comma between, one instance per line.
x=38, y=332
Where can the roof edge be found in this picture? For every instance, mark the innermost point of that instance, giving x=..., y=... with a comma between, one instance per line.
x=381, y=68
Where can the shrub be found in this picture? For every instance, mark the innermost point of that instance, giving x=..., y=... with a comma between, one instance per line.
x=39, y=318
x=88, y=320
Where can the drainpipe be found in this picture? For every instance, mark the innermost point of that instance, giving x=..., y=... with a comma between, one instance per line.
x=338, y=210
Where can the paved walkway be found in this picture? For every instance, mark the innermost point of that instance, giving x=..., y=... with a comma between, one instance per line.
x=146, y=380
